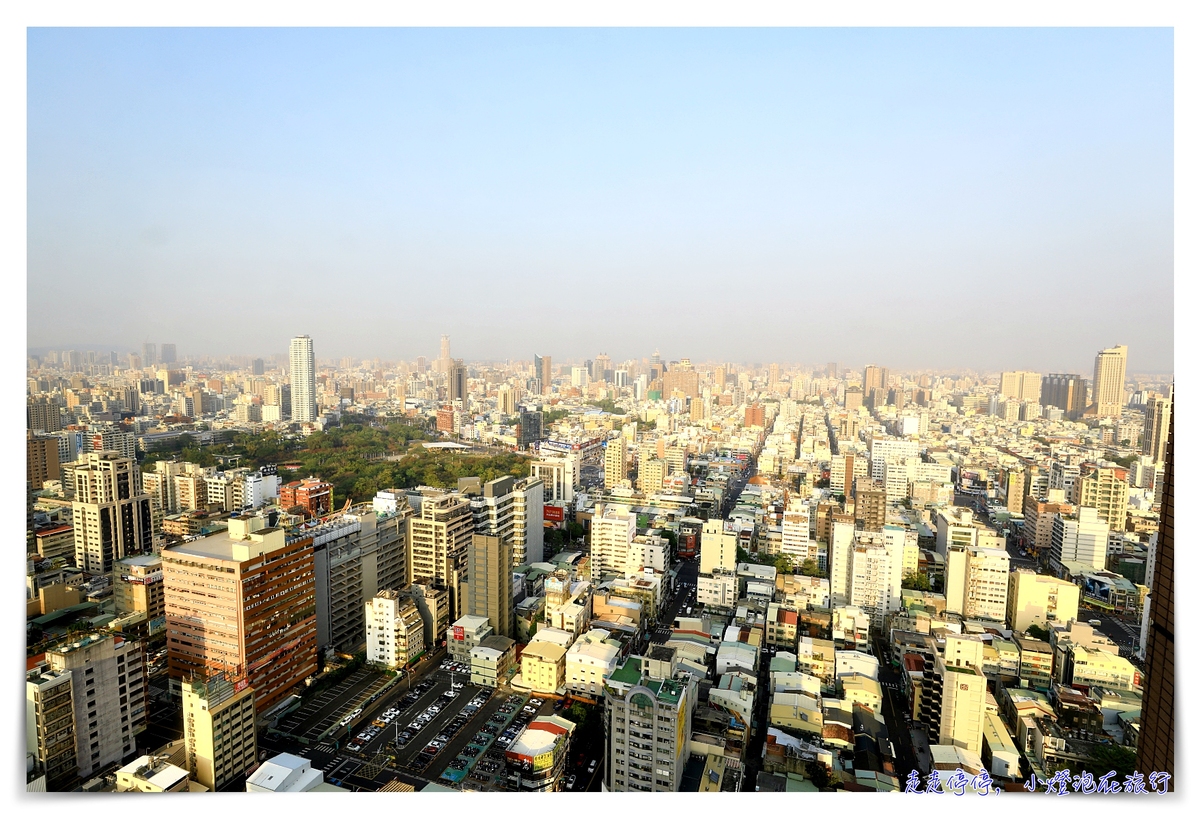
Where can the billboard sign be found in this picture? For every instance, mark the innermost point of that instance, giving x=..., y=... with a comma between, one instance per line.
x=552, y=513
x=459, y=634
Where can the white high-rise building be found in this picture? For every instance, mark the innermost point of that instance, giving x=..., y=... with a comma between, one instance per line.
x=303, y=369
x=614, y=462
x=797, y=543
x=977, y=582
x=1080, y=539
x=613, y=552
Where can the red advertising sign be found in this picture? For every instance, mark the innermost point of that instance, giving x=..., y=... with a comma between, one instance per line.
x=552, y=513
x=458, y=633
x=240, y=686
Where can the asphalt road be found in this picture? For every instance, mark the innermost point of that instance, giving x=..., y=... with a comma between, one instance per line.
x=685, y=594
x=895, y=711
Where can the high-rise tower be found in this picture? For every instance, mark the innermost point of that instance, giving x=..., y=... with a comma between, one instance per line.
x=1108, y=384
x=304, y=380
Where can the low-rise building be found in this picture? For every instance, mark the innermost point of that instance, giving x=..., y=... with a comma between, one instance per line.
x=592, y=658
x=537, y=758
x=467, y=632
x=491, y=660
x=543, y=667
x=395, y=630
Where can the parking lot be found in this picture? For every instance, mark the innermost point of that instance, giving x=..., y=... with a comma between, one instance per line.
x=330, y=706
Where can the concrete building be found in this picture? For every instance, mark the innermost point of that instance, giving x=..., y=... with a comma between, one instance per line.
x=243, y=602
x=355, y=555
x=977, y=582
x=543, y=667
x=395, y=630
x=108, y=697
x=303, y=375
x=613, y=552
x=1065, y=392
x=537, y=759
x=1158, y=423
x=439, y=539
x=1038, y=599
x=467, y=632
x=110, y=512
x=1105, y=490
x=489, y=583
x=1081, y=539
x=559, y=476
x=718, y=546
x=648, y=716
x=491, y=661
x=155, y=774
x=588, y=662
x=219, y=732
x=288, y=773
x=1108, y=382
x=512, y=510
x=50, y=725
x=615, y=458
x=41, y=459
x=1021, y=386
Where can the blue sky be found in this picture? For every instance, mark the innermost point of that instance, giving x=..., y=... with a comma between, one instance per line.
x=987, y=198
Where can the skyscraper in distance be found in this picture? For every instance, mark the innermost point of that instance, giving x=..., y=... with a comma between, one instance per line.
x=1108, y=384
x=541, y=367
x=149, y=354
x=168, y=354
x=303, y=370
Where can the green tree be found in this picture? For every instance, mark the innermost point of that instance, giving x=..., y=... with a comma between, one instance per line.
x=783, y=563
x=818, y=774
x=575, y=530
x=915, y=581
x=550, y=416
x=1104, y=758
x=1038, y=632
x=809, y=568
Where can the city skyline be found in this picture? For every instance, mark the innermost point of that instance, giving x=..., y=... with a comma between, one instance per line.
x=891, y=184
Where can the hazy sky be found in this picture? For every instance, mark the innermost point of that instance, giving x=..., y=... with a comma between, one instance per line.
x=992, y=198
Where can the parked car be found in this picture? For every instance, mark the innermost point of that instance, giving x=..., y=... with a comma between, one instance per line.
x=569, y=784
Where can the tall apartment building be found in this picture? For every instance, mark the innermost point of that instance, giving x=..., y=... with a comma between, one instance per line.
x=615, y=458
x=796, y=543
x=542, y=371
x=1156, y=740
x=963, y=704
x=718, y=546
x=648, y=724
x=506, y=400
x=529, y=428
x=219, y=735
x=167, y=355
x=1021, y=386
x=356, y=554
x=489, y=582
x=1039, y=518
x=1067, y=392
x=1014, y=489
x=456, y=382
x=1158, y=421
x=867, y=569
x=1038, y=599
x=395, y=630
x=1081, y=539
x=844, y=469
x=42, y=415
x=112, y=516
x=512, y=509
x=560, y=476
x=870, y=503
x=108, y=697
x=439, y=538
x=303, y=375
x=977, y=582
x=651, y=473
x=41, y=459
x=50, y=725
x=149, y=354
x=243, y=602
x=755, y=415
x=1105, y=490
x=612, y=550
x=1108, y=383
x=874, y=377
